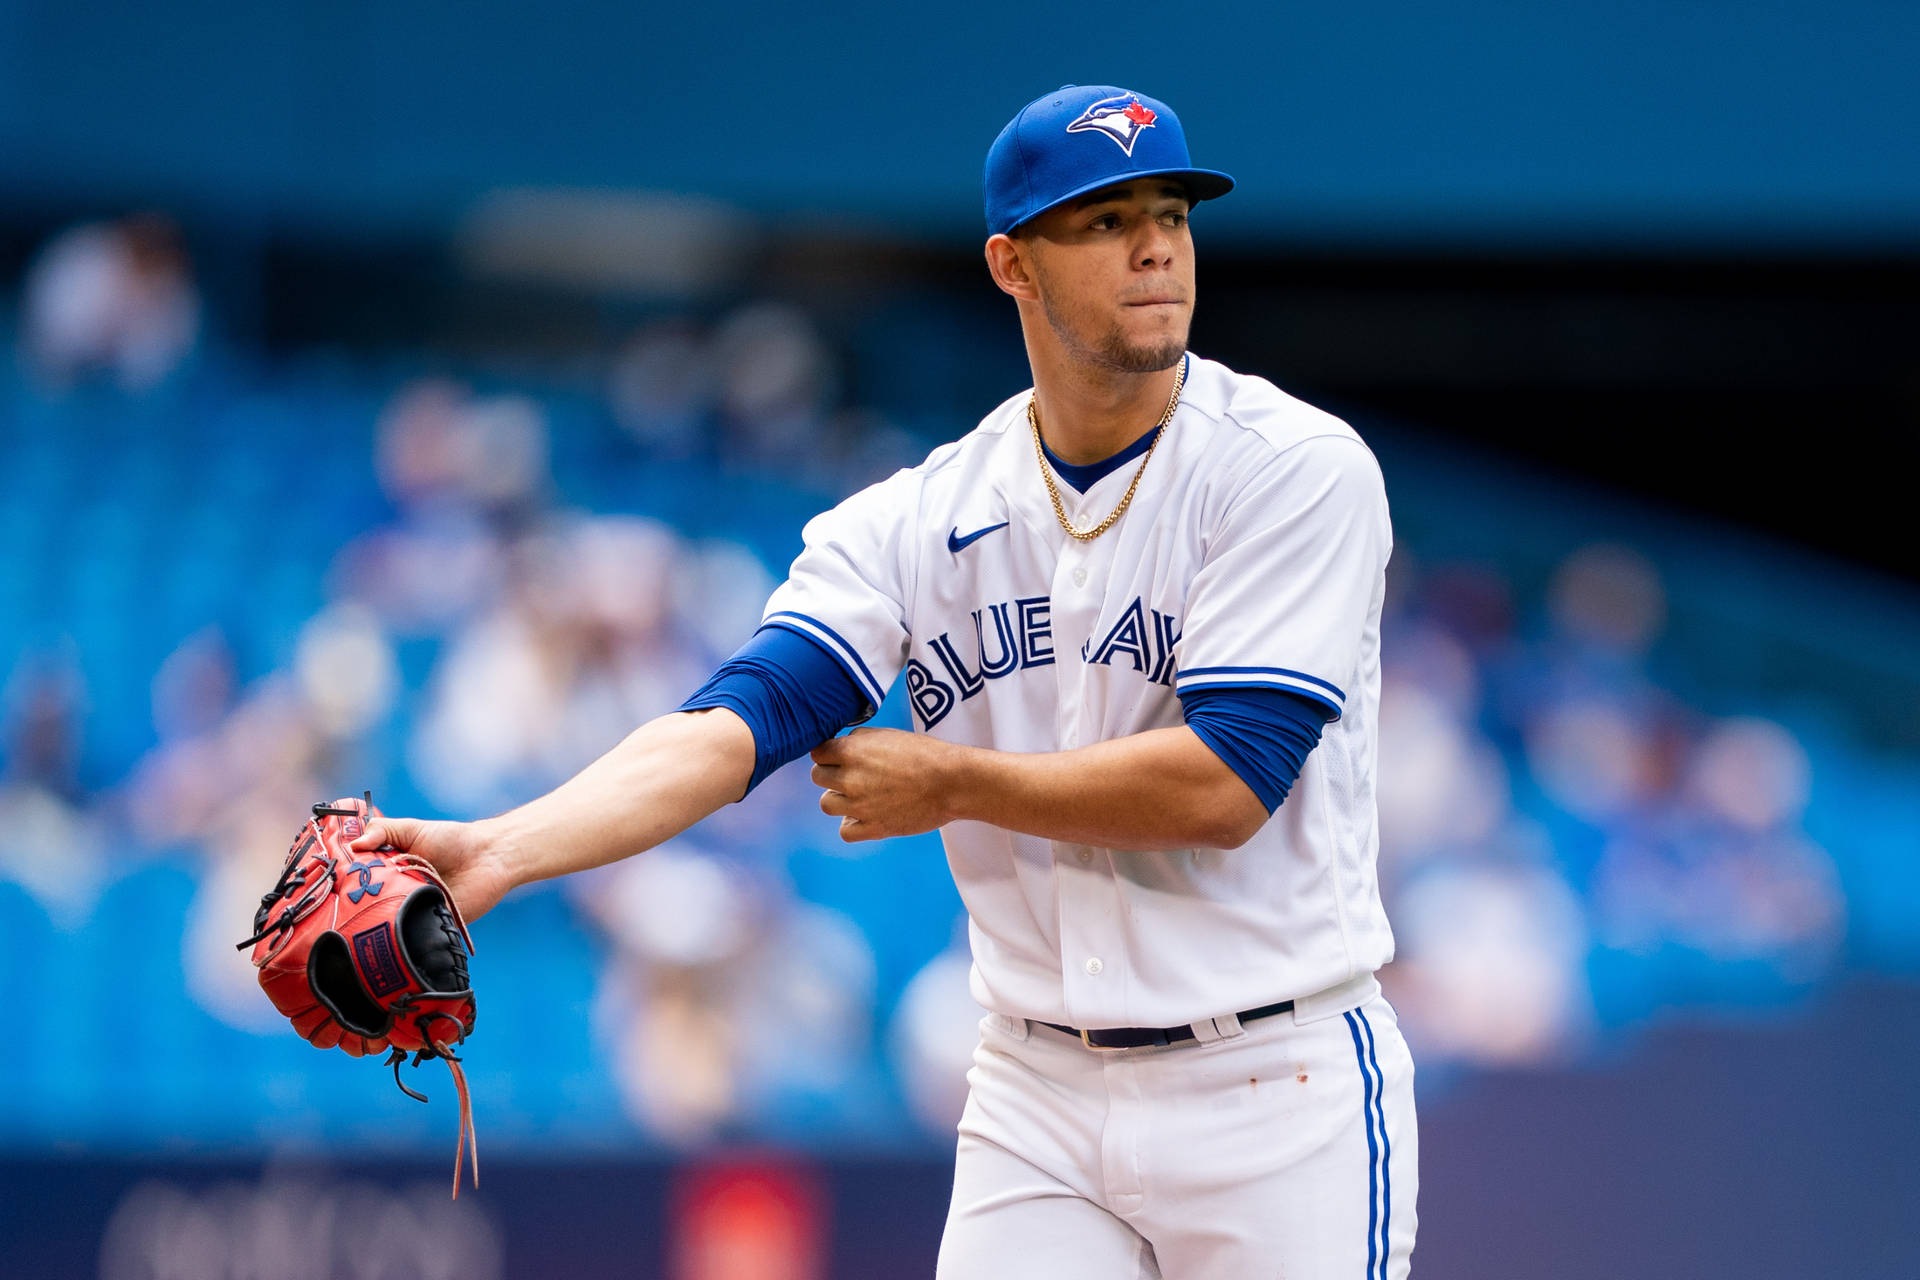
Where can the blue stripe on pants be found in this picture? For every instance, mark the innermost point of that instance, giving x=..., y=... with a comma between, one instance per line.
x=1373, y=1149
x=1386, y=1145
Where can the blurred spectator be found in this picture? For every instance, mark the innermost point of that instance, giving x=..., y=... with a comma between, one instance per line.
x=1443, y=787
x=775, y=379
x=754, y=393
x=464, y=473
x=1723, y=870
x=1490, y=965
x=579, y=649
x=111, y=298
x=346, y=670
x=1608, y=597
x=194, y=686
x=51, y=843
x=724, y=997
x=1600, y=738
x=719, y=591
x=239, y=794
x=42, y=711
x=663, y=387
x=935, y=1028
x=173, y=792
x=440, y=445
x=234, y=779
x=1602, y=758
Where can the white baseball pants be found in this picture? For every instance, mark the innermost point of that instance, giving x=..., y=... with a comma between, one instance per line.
x=1288, y=1149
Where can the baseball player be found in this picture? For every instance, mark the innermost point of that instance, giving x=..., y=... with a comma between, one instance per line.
x=1137, y=613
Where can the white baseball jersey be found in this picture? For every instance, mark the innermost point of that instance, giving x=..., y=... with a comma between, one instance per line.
x=1254, y=555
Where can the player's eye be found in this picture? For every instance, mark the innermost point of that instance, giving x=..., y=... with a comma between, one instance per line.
x=1107, y=222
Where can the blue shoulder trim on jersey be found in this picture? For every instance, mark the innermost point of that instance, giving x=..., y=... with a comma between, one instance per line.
x=1274, y=671
x=792, y=692
x=1263, y=677
x=1260, y=732
x=834, y=643
x=1083, y=478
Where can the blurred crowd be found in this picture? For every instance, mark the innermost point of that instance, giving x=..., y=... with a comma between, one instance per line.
x=1566, y=845
x=1543, y=799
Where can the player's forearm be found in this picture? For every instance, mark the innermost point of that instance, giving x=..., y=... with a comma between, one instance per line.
x=665, y=776
x=1164, y=789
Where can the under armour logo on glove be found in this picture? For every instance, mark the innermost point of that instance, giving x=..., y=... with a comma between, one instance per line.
x=366, y=885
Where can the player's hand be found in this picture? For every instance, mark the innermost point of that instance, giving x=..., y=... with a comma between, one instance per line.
x=460, y=851
x=882, y=782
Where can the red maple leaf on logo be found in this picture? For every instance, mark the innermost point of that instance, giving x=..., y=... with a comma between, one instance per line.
x=1138, y=114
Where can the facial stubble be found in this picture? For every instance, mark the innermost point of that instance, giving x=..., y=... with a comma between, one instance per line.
x=1109, y=349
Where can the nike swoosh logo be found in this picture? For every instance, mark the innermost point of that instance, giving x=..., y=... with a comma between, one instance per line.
x=957, y=544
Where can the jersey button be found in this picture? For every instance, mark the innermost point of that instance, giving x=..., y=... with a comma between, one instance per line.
x=1079, y=577
x=1086, y=855
x=1093, y=966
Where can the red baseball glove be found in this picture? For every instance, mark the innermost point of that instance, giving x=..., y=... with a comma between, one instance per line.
x=367, y=956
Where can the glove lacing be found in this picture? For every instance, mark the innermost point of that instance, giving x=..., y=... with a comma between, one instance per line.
x=312, y=893
x=469, y=1143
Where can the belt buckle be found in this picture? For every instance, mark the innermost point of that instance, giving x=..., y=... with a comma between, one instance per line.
x=1086, y=1039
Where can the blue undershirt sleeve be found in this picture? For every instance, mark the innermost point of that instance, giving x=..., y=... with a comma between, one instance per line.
x=1262, y=734
x=792, y=693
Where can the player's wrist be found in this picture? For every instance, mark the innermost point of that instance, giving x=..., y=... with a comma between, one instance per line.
x=958, y=773
x=500, y=844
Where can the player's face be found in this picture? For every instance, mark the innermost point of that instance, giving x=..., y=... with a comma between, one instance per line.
x=1115, y=275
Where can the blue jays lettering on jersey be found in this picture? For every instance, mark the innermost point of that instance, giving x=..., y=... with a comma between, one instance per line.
x=1253, y=557
x=1017, y=635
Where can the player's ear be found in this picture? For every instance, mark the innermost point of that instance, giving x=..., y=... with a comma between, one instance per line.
x=1009, y=261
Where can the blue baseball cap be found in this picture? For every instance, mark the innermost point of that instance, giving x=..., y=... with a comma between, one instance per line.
x=1080, y=138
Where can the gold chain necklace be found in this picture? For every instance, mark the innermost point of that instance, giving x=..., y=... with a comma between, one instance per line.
x=1053, y=490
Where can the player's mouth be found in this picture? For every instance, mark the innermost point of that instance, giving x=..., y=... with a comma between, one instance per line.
x=1158, y=302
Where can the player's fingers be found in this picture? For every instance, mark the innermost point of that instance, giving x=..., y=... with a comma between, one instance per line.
x=823, y=775
x=398, y=832
x=852, y=830
x=833, y=803
x=832, y=751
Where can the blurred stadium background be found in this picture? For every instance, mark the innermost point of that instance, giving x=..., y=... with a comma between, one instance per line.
x=417, y=397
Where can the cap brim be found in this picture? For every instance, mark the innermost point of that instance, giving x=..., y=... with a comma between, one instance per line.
x=1201, y=184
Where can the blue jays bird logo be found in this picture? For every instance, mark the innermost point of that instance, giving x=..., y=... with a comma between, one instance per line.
x=1123, y=119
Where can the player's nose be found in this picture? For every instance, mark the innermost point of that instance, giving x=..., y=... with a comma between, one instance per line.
x=1155, y=248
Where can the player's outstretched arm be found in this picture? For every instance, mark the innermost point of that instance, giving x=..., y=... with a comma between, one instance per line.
x=1164, y=789
x=664, y=777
